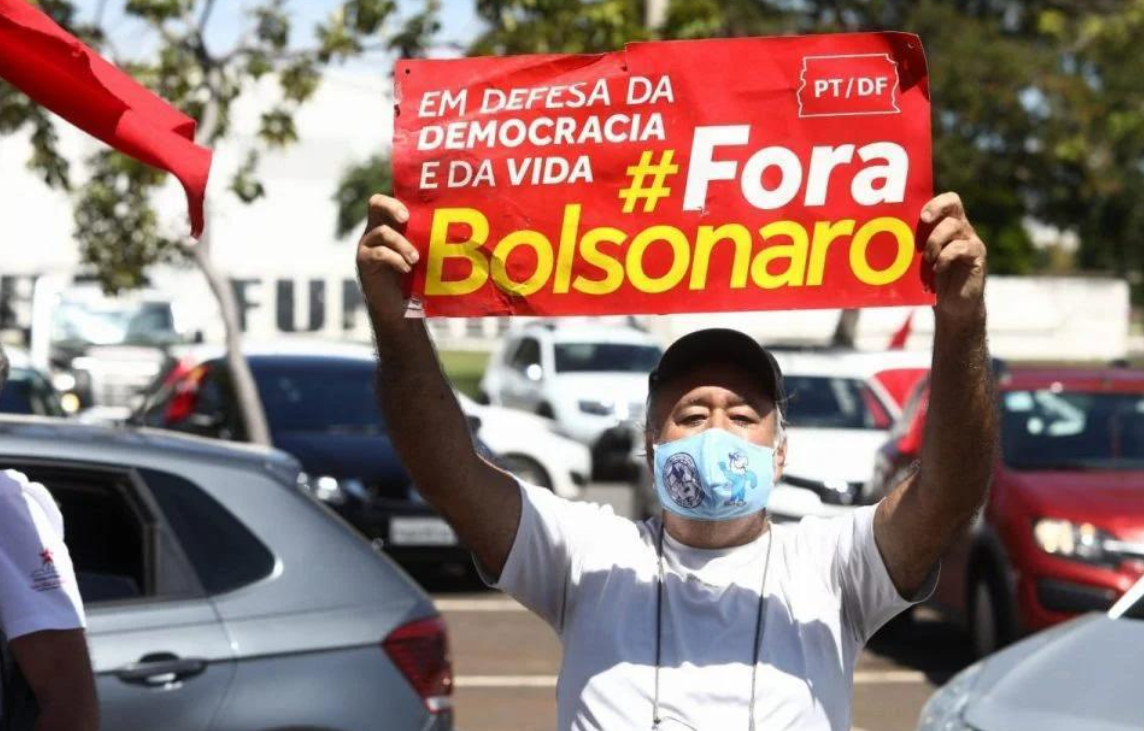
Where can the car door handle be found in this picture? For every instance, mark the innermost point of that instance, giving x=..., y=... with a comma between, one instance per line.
x=161, y=669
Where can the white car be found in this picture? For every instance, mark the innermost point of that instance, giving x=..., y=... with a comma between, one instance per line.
x=587, y=378
x=839, y=415
x=527, y=446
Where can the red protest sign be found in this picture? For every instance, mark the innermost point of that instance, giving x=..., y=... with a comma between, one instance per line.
x=685, y=176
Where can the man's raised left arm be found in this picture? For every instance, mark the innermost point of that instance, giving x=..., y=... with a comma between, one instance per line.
x=918, y=521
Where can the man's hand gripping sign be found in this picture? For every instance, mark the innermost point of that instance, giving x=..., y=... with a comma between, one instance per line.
x=698, y=176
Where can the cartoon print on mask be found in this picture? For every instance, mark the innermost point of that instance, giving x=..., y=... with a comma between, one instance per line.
x=738, y=477
x=681, y=477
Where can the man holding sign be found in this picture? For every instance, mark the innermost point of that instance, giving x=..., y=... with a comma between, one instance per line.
x=708, y=616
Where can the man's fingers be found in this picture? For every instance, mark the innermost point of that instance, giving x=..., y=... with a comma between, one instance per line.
x=959, y=250
x=384, y=209
x=948, y=230
x=385, y=256
x=946, y=204
x=385, y=236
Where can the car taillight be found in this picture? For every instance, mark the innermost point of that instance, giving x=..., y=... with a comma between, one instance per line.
x=186, y=387
x=420, y=650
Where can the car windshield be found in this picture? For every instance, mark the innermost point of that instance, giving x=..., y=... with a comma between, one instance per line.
x=832, y=402
x=605, y=357
x=105, y=323
x=1057, y=430
x=319, y=395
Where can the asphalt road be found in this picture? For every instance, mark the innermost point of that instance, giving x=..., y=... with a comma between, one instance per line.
x=506, y=662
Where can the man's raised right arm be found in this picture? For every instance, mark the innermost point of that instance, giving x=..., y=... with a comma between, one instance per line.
x=426, y=424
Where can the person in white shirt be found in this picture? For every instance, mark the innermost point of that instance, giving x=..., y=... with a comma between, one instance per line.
x=708, y=616
x=47, y=677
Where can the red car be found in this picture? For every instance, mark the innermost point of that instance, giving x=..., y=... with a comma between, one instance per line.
x=1062, y=532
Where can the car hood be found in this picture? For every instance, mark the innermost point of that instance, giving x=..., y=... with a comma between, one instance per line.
x=1082, y=674
x=1112, y=500
x=367, y=457
x=832, y=454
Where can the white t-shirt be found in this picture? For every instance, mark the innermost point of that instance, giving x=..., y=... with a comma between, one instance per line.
x=38, y=589
x=592, y=576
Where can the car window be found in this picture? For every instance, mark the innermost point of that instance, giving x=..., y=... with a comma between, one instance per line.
x=223, y=552
x=830, y=402
x=107, y=530
x=27, y=392
x=1051, y=429
x=320, y=395
x=526, y=354
x=605, y=358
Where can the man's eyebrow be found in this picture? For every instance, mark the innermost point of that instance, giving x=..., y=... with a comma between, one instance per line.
x=692, y=401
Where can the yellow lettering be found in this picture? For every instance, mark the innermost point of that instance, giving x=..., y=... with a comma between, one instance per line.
x=539, y=243
x=794, y=252
x=858, y=249
x=705, y=241
x=567, y=248
x=440, y=249
x=613, y=271
x=681, y=254
x=824, y=234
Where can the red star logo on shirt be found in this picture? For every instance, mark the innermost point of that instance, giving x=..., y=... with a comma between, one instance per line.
x=46, y=556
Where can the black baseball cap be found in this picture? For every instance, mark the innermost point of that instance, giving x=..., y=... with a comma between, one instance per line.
x=720, y=345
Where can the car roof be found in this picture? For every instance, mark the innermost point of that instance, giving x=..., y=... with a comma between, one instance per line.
x=849, y=363
x=301, y=348
x=37, y=436
x=588, y=333
x=1021, y=378
x=17, y=357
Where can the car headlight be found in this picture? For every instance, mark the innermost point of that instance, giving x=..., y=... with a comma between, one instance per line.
x=945, y=710
x=1082, y=542
x=596, y=408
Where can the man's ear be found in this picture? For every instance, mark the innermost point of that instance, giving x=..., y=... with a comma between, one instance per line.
x=780, y=459
x=649, y=449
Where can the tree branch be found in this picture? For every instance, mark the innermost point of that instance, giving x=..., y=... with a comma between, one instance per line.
x=205, y=17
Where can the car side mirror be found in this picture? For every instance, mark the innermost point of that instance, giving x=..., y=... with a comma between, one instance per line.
x=534, y=373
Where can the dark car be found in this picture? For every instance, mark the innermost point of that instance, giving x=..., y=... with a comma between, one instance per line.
x=221, y=596
x=28, y=390
x=321, y=407
x=1062, y=532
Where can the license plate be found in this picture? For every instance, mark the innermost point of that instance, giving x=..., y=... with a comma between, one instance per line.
x=421, y=532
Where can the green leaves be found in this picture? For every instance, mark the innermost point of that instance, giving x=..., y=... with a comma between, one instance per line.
x=356, y=186
x=272, y=25
x=117, y=229
x=245, y=185
x=277, y=127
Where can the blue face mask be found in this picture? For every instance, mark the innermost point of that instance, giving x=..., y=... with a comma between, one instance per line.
x=714, y=475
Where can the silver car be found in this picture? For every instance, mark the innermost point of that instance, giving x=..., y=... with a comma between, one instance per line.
x=222, y=596
x=1084, y=674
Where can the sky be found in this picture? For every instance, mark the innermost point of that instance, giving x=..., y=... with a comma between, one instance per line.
x=458, y=19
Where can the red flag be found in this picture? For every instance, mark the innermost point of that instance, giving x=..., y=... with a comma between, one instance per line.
x=898, y=342
x=59, y=72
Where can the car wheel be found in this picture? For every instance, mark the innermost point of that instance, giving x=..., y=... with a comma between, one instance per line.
x=988, y=628
x=527, y=469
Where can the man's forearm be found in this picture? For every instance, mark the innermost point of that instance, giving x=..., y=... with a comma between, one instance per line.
x=426, y=424
x=69, y=714
x=961, y=430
